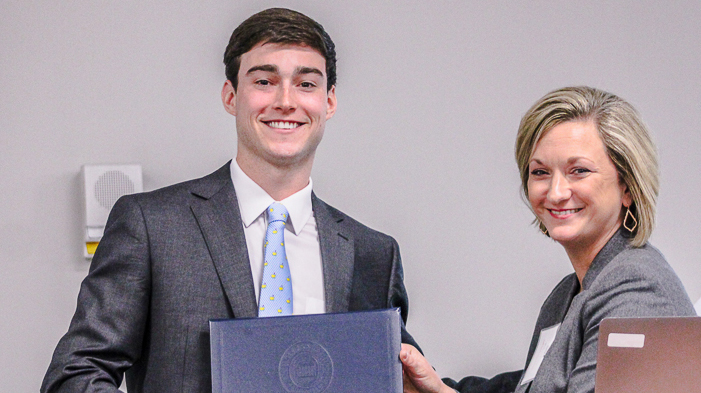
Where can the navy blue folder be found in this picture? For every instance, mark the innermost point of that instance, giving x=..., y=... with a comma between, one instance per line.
x=344, y=352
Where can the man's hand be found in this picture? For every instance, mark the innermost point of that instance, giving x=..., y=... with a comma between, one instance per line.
x=418, y=375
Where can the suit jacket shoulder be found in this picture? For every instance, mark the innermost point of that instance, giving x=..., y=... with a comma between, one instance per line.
x=351, y=226
x=622, y=282
x=180, y=193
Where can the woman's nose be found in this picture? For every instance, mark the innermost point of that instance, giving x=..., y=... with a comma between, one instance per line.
x=559, y=189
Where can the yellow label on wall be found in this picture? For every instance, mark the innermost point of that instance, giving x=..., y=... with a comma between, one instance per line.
x=92, y=246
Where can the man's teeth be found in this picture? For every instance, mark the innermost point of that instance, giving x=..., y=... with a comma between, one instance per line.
x=563, y=212
x=283, y=124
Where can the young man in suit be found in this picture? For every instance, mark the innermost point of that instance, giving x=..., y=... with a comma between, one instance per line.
x=174, y=258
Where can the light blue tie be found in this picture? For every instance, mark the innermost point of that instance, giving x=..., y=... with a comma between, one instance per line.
x=276, y=286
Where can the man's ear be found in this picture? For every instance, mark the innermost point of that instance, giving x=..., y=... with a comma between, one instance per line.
x=331, y=101
x=228, y=97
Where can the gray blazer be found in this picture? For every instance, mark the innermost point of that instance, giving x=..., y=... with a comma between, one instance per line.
x=173, y=259
x=621, y=282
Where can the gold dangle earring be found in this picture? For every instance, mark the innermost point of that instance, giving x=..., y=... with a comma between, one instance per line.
x=625, y=219
x=543, y=229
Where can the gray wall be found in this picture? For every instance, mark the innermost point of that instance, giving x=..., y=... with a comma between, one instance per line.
x=430, y=96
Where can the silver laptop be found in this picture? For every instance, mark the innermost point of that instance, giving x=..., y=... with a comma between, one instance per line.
x=649, y=355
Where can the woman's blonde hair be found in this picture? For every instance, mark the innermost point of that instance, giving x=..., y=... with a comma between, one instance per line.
x=627, y=140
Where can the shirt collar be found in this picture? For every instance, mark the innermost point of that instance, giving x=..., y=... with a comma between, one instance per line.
x=253, y=200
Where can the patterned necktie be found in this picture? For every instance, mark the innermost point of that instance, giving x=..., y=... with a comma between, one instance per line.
x=276, y=286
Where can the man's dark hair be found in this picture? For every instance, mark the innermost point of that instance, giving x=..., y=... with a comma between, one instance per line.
x=279, y=26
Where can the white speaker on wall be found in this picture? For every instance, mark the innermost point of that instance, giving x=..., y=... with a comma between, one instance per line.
x=102, y=186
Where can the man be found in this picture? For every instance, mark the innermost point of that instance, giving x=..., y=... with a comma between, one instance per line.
x=174, y=258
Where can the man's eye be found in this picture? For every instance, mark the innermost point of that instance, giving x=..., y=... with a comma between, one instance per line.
x=307, y=85
x=263, y=82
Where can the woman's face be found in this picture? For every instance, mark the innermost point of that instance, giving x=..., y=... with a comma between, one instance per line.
x=574, y=187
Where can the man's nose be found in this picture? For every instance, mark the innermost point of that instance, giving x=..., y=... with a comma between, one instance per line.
x=284, y=100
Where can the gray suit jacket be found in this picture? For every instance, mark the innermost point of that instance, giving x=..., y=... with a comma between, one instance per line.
x=621, y=282
x=173, y=259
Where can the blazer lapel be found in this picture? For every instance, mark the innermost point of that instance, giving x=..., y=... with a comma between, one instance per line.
x=217, y=213
x=553, y=311
x=337, y=256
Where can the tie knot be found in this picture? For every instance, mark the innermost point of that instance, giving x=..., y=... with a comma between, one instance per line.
x=276, y=212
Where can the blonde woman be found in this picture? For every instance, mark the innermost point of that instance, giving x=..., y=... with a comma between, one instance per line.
x=589, y=172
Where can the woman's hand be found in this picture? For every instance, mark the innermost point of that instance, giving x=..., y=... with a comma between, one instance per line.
x=418, y=375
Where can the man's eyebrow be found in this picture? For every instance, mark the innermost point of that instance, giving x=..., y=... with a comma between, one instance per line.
x=301, y=70
x=263, y=67
x=308, y=70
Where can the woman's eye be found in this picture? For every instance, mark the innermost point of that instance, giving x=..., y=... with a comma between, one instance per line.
x=538, y=172
x=580, y=171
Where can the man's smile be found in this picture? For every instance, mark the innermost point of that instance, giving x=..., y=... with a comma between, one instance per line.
x=285, y=125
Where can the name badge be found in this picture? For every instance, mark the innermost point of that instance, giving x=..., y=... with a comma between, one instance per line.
x=545, y=340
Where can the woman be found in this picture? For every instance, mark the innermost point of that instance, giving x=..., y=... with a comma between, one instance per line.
x=589, y=171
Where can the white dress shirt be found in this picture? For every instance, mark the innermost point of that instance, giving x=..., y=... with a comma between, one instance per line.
x=301, y=240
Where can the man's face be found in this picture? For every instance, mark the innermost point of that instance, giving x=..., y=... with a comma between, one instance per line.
x=281, y=105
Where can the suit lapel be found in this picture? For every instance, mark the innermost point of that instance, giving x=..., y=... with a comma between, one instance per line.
x=337, y=256
x=217, y=213
x=553, y=311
